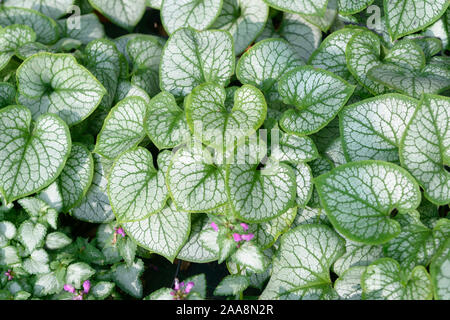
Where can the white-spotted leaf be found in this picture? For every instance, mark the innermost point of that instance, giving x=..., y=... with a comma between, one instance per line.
x=11, y=39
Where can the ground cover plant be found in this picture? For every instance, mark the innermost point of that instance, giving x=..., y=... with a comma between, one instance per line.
x=224, y=149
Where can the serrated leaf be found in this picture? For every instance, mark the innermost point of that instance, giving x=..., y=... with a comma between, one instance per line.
x=57, y=240
x=193, y=250
x=264, y=64
x=250, y=256
x=31, y=235
x=363, y=53
x=357, y=255
x=124, y=13
x=127, y=278
x=191, y=58
x=45, y=28
x=348, y=285
x=359, y=197
x=37, y=263
x=76, y=177
x=422, y=149
x=440, y=272
x=163, y=233
x=30, y=158
x=353, y=6
x=123, y=129
x=77, y=273
x=231, y=285
x=315, y=105
x=267, y=233
x=7, y=94
x=49, y=283
x=373, y=128
x=51, y=8
x=136, y=189
x=223, y=126
x=95, y=206
x=9, y=256
x=301, y=270
x=417, y=244
x=302, y=36
x=244, y=20
x=102, y=58
x=166, y=122
x=194, y=182
x=196, y=14
x=408, y=16
x=299, y=6
x=11, y=39
x=56, y=83
x=385, y=280
x=430, y=79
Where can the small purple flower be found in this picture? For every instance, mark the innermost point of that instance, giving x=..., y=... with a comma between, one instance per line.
x=86, y=286
x=237, y=237
x=78, y=297
x=244, y=226
x=247, y=237
x=9, y=274
x=120, y=231
x=189, y=287
x=69, y=288
x=214, y=226
x=176, y=285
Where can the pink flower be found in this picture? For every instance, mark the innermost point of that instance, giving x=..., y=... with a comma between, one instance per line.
x=176, y=285
x=189, y=287
x=237, y=237
x=120, y=231
x=244, y=226
x=248, y=237
x=214, y=226
x=9, y=274
x=86, y=286
x=78, y=297
x=69, y=288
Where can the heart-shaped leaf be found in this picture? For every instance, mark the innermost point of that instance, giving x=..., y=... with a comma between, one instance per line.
x=196, y=14
x=76, y=177
x=301, y=270
x=359, y=197
x=222, y=125
x=260, y=195
x=37, y=262
x=95, y=207
x=317, y=104
x=440, y=274
x=30, y=158
x=135, y=188
x=195, y=183
x=301, y=35
x=353, y=6
x=11, y=39
x=385, y=280
x=417, y=244
x=44, y=87
x=31, y=235
x=57, y=240
x=264, y=64
x=191, y=58
x=77, y=273
x=51, y=8
x=373, y=128
x=294, y=149
x=163, y=233
x=123, y=129
x=363, y=53
x=244, y=19
x=45, y=28
x=166, y=122
x=127, y=278
x=423, y=147
x=124, y=13
x=408, y=16
x=299, y=6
